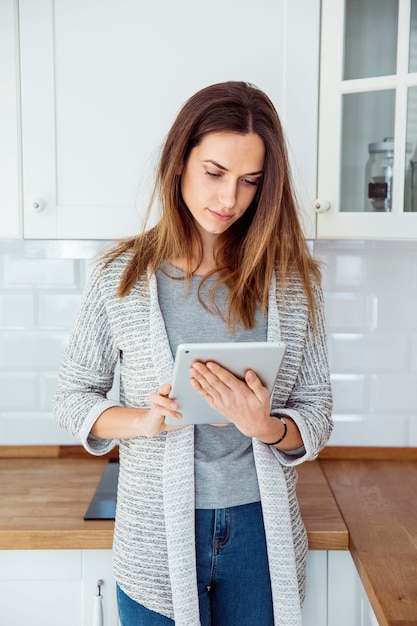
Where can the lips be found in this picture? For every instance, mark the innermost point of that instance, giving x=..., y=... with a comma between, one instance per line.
x=221, y=217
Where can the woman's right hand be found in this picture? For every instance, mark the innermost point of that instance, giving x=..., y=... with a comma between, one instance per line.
x=162, y=405
x=120, y=422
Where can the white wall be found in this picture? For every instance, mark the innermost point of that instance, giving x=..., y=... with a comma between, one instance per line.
x=371, y=301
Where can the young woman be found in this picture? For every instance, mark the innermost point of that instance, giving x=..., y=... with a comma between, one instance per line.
x=208, y=529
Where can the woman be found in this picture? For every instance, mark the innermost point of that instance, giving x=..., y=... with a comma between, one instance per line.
x=207, y=526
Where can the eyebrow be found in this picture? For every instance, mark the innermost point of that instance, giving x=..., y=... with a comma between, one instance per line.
x=221, y=167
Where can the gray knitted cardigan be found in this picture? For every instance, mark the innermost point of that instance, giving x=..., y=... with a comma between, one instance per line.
x=154, y=548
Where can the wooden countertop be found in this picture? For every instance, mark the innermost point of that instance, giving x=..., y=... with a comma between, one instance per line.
x=378, y=501
x=43, y=501
x=362, y=499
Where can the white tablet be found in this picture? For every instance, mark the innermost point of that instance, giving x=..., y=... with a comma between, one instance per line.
x=264, y=358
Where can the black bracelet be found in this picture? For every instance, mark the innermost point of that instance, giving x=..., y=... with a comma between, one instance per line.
x=274, y=443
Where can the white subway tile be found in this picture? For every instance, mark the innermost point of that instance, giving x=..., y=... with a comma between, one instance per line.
x=396, y=270
x=17, y=310
x=31, y=351
x=349, y=393
x=58, y=310
x=349, y=271
x=20, y=272
x=22, y=429
x=18, y=391
x=370, y=430
x=412, y=420
x=347, y=311
x=368, y=266
x=393, y=394
x=361, y=353
x=413, y=344
x=47, y=388
x=396, y=312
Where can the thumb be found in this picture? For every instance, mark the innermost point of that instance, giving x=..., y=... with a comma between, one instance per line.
x=253, y=381
x=164, y=389
x=255, y=385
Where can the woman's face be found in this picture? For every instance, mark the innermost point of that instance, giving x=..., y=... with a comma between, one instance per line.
x=220, y=179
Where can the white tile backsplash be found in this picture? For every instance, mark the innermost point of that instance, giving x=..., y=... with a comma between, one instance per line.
x=20, y=272
x=370, y=353
x=31, y=350
x=350, y=393
x=371, y=308
x=392, y=313
x=17, y=310
x=347, y=311
x=393, y=394
x=19, y=391
x=32, y=428
x=370, y=430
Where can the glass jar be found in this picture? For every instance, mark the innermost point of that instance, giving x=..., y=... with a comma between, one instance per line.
x=379, y=170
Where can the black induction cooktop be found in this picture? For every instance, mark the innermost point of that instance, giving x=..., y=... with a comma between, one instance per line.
x=103, y=503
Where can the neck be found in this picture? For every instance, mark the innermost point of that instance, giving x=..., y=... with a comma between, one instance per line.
x=206, y=264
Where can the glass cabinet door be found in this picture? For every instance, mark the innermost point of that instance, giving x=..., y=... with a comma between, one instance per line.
x=367, y=151
x=370, y=38
x=367, y=179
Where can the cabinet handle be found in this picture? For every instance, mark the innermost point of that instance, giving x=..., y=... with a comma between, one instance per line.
x=38, y=205
x=98, y=606
x=322, y=206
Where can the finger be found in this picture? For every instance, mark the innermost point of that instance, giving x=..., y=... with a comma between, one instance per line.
x=162, y=405
x=164, y=390
x=201, y=379
x=214, y=375
x=255, y=385
x=202, y=387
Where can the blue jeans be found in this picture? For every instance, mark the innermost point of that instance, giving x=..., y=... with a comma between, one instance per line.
x=234, y=588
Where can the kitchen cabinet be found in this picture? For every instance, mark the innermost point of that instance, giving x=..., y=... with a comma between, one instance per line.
x=60, y=586
x=314, y=609
x=10, y=219
x=348, y=604
x=102, y=82
x=367, y=176
x=335, y=594
x=50, y=587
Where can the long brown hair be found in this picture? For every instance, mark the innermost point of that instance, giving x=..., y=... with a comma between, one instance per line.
x=268, y=233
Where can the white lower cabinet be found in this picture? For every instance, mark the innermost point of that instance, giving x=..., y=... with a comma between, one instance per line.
x=98, y=566
x=50, y=587
x=315, y=604
x=335, y=594
x=348, y=604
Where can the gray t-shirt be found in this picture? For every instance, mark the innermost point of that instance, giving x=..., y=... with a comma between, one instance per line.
x=225, y=472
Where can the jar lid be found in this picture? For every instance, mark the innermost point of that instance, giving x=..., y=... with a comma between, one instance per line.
x=381, y=146
x=386, y=146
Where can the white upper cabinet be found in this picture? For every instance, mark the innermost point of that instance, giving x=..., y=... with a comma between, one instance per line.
x=367, y=172
x=10, y=215
x=101, y=83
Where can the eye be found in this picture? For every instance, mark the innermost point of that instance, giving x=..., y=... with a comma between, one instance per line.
x=254, y=183
x=213, y=174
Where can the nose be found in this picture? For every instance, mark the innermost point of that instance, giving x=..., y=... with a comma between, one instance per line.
x=227, y=194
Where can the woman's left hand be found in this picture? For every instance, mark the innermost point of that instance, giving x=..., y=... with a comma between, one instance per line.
x=246, y=403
